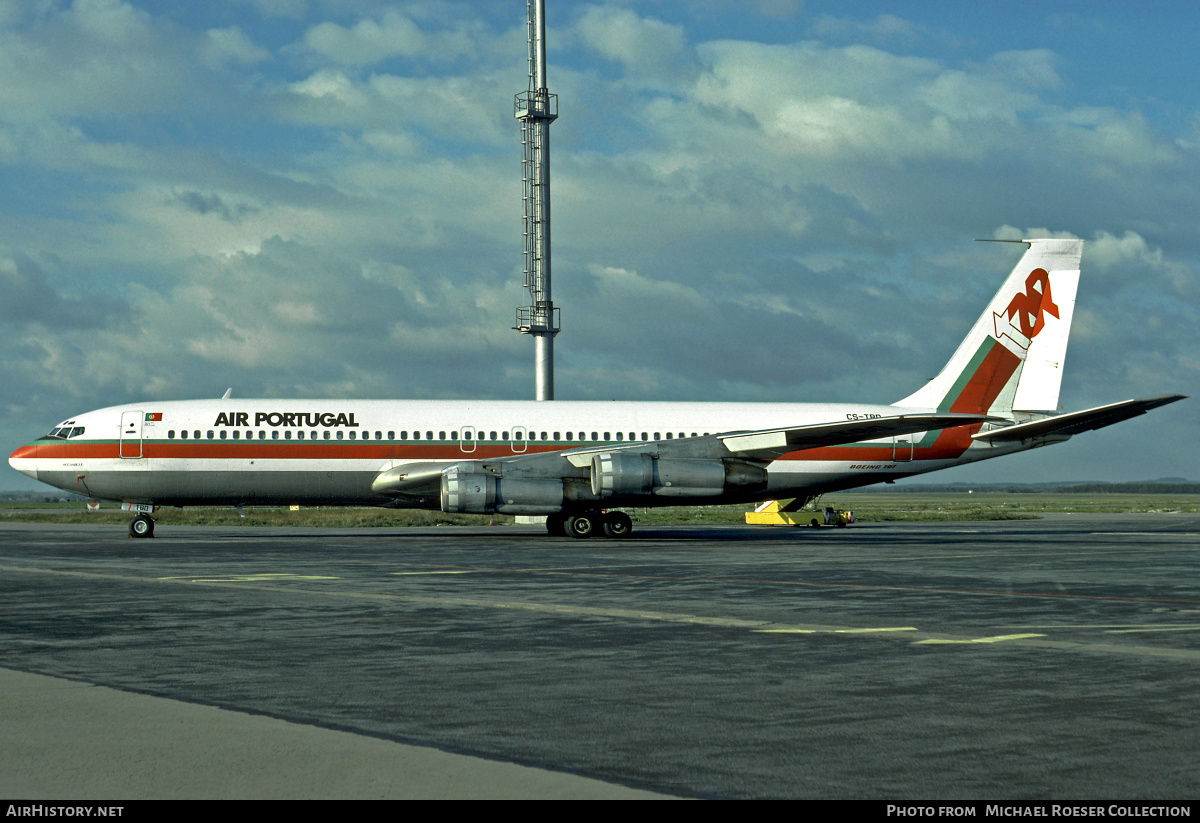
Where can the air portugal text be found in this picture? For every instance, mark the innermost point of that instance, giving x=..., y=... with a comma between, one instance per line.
x=310, y=420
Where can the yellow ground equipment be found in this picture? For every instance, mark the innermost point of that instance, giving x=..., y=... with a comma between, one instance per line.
x=787, y=513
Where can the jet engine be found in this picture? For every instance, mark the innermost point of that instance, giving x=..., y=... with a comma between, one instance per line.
x=468, y=489
x=624, y=474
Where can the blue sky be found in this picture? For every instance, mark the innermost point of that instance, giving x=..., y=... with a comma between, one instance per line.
x=769, y=200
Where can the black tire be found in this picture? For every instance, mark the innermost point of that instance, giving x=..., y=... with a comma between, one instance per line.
x=141, y=526
x=814, y=524
x=583, y=525
x=617, y=525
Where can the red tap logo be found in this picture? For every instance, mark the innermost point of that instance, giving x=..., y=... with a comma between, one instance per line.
x=1026, y=311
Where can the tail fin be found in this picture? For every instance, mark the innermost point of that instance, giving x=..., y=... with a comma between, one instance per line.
x=1012, y=358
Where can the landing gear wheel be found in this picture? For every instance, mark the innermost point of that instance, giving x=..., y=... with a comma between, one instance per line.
x=617, y=525
x=142, y=526
x=556, y=525
x=814, y=524
x=583, y=525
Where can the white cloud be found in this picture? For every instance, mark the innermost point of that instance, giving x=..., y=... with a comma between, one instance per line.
x=231, y=44
x=651, y=52
x=367, y=41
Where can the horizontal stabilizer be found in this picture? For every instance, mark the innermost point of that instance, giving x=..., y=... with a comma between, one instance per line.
x=1076, y=422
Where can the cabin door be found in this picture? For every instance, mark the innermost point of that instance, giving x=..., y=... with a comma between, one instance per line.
x=131, y=434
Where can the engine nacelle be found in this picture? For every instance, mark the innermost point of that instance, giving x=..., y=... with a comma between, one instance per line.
x=469, y=492
x=624, y=474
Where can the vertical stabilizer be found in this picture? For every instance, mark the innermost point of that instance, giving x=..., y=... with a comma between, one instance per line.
x=1023, y=329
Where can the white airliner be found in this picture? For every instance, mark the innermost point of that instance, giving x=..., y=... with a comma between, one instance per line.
x=578, y=462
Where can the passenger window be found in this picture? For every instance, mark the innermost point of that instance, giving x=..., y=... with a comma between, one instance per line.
x=619, y=436
x=300, y=435
x=416, y=435
x=669, y=436
x=404, y=435
x=351, y=435
x=183, y=434
x=275, y=434
x=210, y=434
x=644, y=436
x=503, y=435
x=568, y=435
x=391, y=435
x=453, y=435
x=441, y=435
x=287, y=435
x=595, y=435
x=326, y=435
x=556, y=437
x=171, y=434
x=428, y=435
x=340, y=434
x=224, y=434
x=196, y=434
x=236, y=434
x=379, y=435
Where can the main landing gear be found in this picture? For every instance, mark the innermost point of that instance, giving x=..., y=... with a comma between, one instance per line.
x=616, y=525
x=142, y=526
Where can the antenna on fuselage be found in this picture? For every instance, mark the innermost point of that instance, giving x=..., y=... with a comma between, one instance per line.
x=537, y=108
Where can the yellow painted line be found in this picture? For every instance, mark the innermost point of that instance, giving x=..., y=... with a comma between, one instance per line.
x=271, y=583
x=1156, y=629
x=997, y=639
x=871, y=631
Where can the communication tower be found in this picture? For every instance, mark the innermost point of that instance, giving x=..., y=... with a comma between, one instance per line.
x=537, y=108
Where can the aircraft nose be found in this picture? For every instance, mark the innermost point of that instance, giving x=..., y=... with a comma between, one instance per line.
x=23, y=460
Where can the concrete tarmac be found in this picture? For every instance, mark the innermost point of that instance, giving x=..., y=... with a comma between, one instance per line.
x=1048, y=659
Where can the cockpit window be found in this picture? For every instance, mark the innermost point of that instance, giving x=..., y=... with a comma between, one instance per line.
x=63, y=432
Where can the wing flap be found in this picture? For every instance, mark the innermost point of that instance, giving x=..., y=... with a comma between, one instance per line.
x=1076, y=422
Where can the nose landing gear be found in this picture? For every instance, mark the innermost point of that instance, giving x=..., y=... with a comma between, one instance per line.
x=142, y=526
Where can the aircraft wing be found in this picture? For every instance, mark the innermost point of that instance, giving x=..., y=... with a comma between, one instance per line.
x=419, y=480
x=1076, y=422
x=769, y=444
